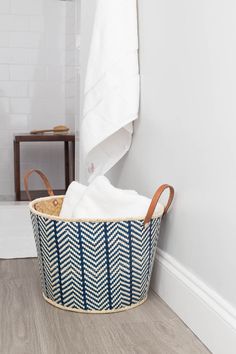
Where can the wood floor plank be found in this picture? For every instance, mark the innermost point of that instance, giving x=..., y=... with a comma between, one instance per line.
x=18, y=268
x=17, y=330
x=29, y=325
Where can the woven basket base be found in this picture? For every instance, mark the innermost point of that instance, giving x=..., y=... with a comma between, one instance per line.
x=94, y=311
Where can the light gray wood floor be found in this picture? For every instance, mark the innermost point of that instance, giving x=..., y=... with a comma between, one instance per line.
x=28, y=325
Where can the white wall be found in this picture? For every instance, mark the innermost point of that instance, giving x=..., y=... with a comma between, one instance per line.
x=186, y=132
x=37, y=82
x=71, y=9
x=87, y=12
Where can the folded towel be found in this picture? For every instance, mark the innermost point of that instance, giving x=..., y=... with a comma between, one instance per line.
x=111, y=98
x=100, y=200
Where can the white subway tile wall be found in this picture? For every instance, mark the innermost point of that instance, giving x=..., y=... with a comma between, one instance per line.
x=37, y=83
x=5, y=104
x=20, y=105
x=72, y=33
x=5, y=6
x=4, y=72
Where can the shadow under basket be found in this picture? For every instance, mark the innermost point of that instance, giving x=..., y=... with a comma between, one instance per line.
x=94, y=266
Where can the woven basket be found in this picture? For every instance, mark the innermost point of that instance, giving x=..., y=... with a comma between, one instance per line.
x=94, y=266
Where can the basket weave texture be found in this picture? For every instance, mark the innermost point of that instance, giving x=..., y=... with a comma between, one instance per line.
x=49, y=206
x=93, y=266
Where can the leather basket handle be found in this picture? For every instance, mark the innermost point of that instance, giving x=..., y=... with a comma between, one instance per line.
x=44, y=179
x=155, y=200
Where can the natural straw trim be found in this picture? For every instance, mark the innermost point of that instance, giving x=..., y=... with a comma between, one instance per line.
x=65, y=308
x=57, y=218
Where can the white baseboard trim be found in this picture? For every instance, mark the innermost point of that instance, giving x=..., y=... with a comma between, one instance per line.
x=208, y=315
x=16, y=234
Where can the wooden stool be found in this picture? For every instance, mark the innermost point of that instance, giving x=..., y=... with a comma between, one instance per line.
x=66, y=138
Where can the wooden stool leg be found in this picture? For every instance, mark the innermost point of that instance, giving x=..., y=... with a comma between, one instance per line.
x=17, y=170
x=67, y=164
x=73, y=160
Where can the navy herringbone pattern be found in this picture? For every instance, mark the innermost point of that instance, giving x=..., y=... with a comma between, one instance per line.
x=70, y=264
x=125, y=261
x=95, y=265
x=35, y=225
x=114, y=264
x=138, y=261
x=51, y=259
x=154, y=234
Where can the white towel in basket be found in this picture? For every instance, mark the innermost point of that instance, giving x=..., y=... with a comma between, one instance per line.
x=111, y=101
x=73, y=196
x=100, y=200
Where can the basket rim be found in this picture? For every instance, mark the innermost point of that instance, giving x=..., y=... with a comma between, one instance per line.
x=58, y=218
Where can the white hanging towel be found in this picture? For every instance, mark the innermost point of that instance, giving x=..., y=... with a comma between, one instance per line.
x=111, y=101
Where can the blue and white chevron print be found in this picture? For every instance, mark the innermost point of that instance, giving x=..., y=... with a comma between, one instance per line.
x=95, y=265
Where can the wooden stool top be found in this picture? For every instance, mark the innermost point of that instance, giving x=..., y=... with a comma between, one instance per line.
x=44, y=137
